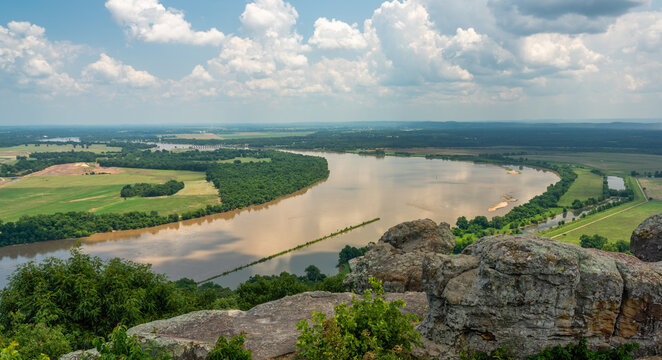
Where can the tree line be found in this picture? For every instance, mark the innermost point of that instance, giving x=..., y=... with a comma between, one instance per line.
x=151, y=190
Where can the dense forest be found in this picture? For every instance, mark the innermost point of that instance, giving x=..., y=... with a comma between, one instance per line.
x=239, y=184
x=560, y=137
x=150, y=190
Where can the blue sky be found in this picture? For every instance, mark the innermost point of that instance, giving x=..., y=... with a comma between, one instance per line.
x=209, y=61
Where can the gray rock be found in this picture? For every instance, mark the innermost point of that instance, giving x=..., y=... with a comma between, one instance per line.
x=397, y=258
x=529, y=293
x=646, y=240
x=420, y=235
x=270, y=328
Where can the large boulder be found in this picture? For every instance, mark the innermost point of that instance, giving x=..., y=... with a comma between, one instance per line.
x=646, y=240
x=528, y=293
x=396, y=259
x=270, y=328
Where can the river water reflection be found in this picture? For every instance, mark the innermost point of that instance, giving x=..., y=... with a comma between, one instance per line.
x=359, y=188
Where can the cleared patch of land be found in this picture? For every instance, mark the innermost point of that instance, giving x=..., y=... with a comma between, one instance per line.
x=10, y=153
x=653, y=187
x=75, y=169
x=35, y=195
x=585, y=186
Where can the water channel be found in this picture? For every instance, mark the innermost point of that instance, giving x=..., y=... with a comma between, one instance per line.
x=359, y=188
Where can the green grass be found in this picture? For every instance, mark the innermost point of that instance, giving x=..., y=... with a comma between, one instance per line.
x=585, y=186
x=617, y=227
x=23, y=150
x=100, y=193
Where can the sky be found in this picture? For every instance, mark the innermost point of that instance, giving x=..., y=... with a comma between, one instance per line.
x=127, y=62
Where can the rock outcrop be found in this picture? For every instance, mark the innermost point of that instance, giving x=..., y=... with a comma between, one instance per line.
x=646, y=240
x=270, y=328
x=529, y=293
x=396, y=259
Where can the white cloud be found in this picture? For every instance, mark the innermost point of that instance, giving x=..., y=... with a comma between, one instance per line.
x=31, y=61
x=150, y=21
x=111, y=71
x=334, y=34
x=559, y=51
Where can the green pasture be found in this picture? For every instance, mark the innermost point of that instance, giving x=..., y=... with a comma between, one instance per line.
x=34, y=195
x=614, y=224
x=617, y=227
x=585, y=186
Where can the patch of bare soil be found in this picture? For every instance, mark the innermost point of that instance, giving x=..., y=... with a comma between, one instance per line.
x=75, y=169
x=88, y=198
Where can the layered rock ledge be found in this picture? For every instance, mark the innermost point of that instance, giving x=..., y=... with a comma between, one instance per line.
x=528, y=293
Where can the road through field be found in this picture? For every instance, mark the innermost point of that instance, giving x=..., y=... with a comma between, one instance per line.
x=610, y=215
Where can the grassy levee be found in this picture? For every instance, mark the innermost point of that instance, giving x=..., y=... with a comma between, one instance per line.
x=36, y=195
x=616, y=223
x=585, y=186
x=347, y=229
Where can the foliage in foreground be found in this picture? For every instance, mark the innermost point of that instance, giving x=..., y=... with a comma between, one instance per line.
x=124, y=347
x=369, y=328
x=579, y=351
x=58, y=306
x=230, y=349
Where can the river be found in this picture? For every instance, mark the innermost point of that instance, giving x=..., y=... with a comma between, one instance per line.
x=360, y=188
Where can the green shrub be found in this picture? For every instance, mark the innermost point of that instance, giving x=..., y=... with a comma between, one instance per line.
x=369, y=328
x=120, y=346
x=84, y=297
x=37, y=339
x=11, y=352
x=596, y=241
x=232, y=349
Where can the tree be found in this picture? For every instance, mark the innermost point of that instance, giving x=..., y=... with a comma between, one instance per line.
x=596, y=241
x=462, y=223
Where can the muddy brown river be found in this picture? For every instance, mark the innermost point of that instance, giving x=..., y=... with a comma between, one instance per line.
x=359, y=188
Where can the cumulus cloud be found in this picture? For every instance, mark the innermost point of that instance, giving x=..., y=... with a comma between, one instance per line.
x=564, y=16
x=334, y=34
x=111, y=71
x=150, y=21
x=31, y=61
x=408, y=39
x=559, y=51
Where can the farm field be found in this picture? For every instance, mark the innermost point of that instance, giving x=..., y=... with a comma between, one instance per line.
x=653, y=187
x=616, y=223
x=610, y=163
x=585, y=186
x=34, y=195
x=617, y=227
